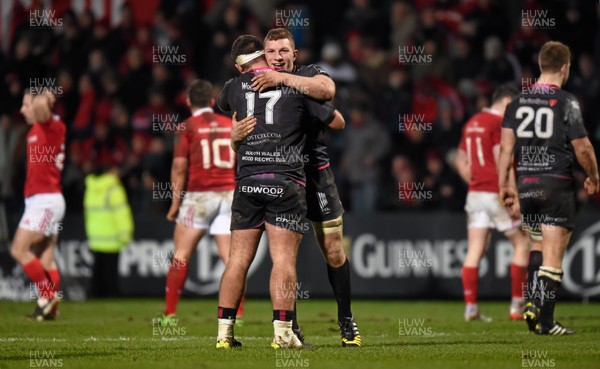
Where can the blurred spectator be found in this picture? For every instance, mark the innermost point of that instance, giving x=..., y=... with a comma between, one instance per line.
x=446, y=130
x=499, y=67
x=333, y=63
x=446, y=189
x=367, y=145
x=394, y=100
x=114, y=95
x=585, y=84
x=137, y=79
x=465, y=63
x=366, y=19
x=403, y=22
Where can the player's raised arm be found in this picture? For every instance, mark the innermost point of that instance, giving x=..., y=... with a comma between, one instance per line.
x=319, y=87
x=508, y=194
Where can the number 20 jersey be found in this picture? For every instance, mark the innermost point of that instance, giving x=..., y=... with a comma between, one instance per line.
x=545, y=120
x=276, y=145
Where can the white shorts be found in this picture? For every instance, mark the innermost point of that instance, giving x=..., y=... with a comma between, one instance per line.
x=484, y=210
x=207, y=210
x=44, y=213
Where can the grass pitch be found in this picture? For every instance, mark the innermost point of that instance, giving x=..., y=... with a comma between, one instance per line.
x=396, y=334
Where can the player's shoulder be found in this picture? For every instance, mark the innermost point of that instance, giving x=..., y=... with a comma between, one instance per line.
x=54, y=126
x=222, y=119
x=568, y=98
x=310, y=70
x=484, y=117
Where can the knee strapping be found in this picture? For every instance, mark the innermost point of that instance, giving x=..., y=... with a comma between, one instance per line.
x=329, y=226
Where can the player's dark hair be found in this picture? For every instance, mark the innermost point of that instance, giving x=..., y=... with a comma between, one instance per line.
x=200, y=92
x=553, y=55
x=279, y=34
x=504, y=91
x=246, y=44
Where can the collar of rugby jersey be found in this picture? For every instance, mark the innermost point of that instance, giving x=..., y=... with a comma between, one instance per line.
x=492, y=111
x=202, y=111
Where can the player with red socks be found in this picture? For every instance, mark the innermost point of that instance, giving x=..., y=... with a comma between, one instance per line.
x=36, y=236
x=201, y=203
x=476, y=162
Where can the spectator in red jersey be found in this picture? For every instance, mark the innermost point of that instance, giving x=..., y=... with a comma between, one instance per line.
x=83, y=121
x=35, y=239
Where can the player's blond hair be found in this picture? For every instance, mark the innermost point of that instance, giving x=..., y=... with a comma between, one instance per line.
x=280, y=34
x=553, y=55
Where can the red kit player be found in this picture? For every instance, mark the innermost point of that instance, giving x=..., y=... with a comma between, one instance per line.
x=202, y=203
x=476, y=162
x=35, y=239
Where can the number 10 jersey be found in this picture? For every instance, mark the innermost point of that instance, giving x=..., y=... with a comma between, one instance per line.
x=204, y=139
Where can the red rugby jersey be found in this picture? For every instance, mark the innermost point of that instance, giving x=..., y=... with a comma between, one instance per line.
x=204, y=139
x=480, y=134
x=45, y=157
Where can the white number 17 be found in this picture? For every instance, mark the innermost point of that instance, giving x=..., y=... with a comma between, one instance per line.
x=273, y=96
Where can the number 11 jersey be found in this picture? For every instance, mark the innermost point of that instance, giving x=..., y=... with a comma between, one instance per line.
x=479, y=136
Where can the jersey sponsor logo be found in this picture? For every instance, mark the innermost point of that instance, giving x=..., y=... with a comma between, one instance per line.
x=214, y=130
x=475, y=129
x=269, y=190
x=553, y=102
x=534, y=194
x=532, y=101
x=32, y=139
x=582, y=263
x=247, y=86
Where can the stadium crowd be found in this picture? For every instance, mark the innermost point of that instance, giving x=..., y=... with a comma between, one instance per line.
x=408, y=75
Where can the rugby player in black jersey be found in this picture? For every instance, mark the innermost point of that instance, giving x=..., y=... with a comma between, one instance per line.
x=269, y=192
x=544, y=128
x=324, y=206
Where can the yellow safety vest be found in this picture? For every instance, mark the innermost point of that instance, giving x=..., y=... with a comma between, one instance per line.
x=108, y=219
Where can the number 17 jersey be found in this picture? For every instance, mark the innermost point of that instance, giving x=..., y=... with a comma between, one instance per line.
x=545, y=120
x=276, y=145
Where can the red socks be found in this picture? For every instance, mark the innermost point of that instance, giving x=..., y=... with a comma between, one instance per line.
x=35, y=271
x=518, y=278
x=54, y=278
x=240, y=310
x=175, y=280
x=470, y=279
